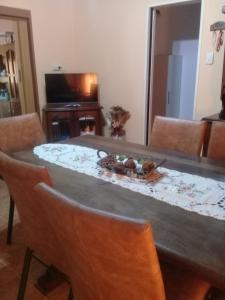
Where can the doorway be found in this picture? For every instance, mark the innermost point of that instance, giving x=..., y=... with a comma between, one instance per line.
x=18, y=86
x=174, y=46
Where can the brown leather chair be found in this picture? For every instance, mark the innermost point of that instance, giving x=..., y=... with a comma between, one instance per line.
x=113, y=257
x=40, y=240
x=178, y=135
x=20, y=132
x=16, y=134
x=216, y=147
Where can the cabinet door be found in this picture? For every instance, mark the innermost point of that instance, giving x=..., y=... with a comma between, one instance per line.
x=59, y=125
x=87, y=122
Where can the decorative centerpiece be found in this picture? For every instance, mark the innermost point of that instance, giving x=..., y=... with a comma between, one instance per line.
x=128, y=166
x=117, y=118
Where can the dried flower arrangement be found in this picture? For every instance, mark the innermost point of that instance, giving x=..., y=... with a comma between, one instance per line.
x=117, y=118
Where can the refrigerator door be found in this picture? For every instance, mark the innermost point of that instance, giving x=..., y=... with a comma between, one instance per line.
x=174, y=86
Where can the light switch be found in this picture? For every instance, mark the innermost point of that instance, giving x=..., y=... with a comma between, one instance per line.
x=209, y=58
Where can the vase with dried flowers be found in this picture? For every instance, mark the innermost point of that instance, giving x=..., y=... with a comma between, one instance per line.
x=117, y=118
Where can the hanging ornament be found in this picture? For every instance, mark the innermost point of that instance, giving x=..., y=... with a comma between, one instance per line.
x=217, y=29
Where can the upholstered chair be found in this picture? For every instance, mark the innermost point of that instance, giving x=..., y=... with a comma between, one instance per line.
x=40, y=239
x=16, y=134
x=216, y=147
x=113, y=257
x=178, y=135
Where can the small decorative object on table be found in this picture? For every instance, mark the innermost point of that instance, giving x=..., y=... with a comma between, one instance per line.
x=117, y=118
x=128, y=166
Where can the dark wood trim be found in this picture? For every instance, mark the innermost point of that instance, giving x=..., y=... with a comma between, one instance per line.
x=23, y=14
x=149, y=78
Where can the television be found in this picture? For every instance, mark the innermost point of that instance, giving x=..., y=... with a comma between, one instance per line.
x=71, y=88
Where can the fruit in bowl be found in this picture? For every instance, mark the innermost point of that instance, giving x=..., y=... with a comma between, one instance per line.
x=130, y=164
x=148, y=166
x=119, y=168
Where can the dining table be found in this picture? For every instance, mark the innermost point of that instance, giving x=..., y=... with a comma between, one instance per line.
x=184, y=238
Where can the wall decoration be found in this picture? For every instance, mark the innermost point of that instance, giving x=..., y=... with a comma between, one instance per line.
x=218, y=32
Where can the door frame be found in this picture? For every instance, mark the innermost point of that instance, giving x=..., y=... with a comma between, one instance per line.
x=150, y=59
x=11, y=13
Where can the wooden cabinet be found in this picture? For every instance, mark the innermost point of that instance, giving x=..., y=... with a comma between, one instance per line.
x=63, y=122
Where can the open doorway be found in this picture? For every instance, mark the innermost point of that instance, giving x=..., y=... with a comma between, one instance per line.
x=174, y=53
x=18, y=87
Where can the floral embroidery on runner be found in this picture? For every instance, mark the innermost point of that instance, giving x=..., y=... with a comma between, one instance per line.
x=204, y=196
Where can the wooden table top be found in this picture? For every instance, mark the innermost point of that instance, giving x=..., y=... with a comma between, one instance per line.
x=190, y=240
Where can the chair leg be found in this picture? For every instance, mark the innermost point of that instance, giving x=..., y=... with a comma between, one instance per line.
x=10, y=221
x=25, y=273
x=70, y=294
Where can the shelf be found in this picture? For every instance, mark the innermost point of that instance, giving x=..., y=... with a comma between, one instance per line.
x=87, y=133
x=87, y=119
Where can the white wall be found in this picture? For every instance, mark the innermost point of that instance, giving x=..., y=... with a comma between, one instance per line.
x=114, y=43
x=210, y=76
x=110, y=37
x=112, y=40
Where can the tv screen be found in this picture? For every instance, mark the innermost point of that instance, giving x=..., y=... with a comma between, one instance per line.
x=68, y=88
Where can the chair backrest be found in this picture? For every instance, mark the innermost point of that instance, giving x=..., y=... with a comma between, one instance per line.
x=109, y=257
x=20, y=178
x=178, y=135
x=20, y=132
x=216, y=147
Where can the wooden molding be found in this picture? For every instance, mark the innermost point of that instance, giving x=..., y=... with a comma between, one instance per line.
x=10, y=12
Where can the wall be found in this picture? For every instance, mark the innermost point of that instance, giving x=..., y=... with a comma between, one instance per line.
x=113, y=42
x=210, y=76
x=114, y=37
x=110, y=37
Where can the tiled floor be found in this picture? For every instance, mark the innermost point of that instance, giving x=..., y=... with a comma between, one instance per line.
x=11, y=259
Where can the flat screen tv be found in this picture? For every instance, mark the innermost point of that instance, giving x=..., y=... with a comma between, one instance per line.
x=71, y=87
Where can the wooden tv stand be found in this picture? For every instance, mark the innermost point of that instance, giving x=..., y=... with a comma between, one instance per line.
x=70, y=120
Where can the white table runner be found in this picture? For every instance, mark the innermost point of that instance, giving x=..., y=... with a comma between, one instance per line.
x=204, y=196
